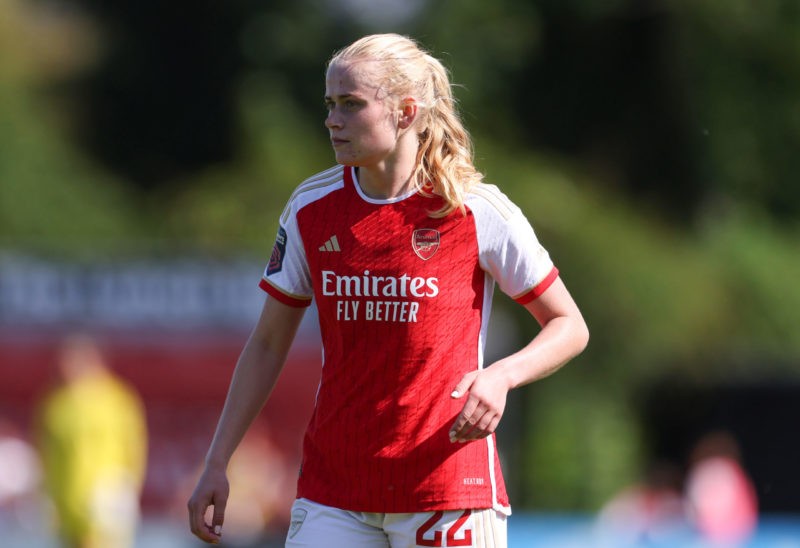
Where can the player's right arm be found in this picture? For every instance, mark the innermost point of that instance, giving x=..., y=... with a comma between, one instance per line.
x=256, y=373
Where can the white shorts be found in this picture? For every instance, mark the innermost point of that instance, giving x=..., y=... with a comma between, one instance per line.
x=319, y=526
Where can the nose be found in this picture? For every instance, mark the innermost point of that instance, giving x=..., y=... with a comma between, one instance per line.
x=332, y=120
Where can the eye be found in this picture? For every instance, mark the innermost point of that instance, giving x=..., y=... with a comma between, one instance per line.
x=329, y=104
x=353, y=104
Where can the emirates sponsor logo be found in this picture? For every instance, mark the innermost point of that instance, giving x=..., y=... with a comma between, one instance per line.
x=378, y=298
x=425, y=242
x=368, y=285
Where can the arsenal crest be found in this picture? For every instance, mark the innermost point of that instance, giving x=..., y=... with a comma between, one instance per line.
x=425, y=242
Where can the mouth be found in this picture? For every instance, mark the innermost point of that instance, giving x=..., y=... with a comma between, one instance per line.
x=336, y=141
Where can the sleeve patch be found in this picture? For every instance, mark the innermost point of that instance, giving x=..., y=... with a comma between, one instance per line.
x=278, y=253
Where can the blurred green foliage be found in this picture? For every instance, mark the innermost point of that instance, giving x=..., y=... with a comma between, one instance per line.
x=653, y=146
x=51, y=196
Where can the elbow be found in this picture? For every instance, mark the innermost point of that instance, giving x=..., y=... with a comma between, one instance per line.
x=581, y=336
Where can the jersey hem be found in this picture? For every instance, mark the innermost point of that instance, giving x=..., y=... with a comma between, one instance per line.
x=431, y=507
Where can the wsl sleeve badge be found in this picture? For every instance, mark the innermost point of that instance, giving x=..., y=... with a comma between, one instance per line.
x=278, y=253
x=425, y=242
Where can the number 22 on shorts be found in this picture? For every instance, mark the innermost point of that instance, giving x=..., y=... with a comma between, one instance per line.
x=424, y=537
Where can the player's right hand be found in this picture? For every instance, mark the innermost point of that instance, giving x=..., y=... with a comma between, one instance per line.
x=212, y=490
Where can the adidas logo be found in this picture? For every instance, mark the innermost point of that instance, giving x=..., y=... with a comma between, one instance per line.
x=331, y=245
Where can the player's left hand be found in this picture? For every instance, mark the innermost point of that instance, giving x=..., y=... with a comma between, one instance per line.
x=485, y=393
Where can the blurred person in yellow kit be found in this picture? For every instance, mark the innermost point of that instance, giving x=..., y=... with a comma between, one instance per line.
x=92, y=437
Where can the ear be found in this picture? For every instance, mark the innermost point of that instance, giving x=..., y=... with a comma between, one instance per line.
x=408, y=112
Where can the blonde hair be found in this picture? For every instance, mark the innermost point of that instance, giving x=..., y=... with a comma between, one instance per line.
x=445, y=155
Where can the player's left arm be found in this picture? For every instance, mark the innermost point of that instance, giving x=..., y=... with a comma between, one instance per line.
x=563, y=336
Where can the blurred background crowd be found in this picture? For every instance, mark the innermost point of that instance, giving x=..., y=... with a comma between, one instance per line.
x=147, y=149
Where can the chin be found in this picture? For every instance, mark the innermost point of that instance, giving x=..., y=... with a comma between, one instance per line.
x=350, y=162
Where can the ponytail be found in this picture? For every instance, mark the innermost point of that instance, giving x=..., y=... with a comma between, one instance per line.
x=445, y=156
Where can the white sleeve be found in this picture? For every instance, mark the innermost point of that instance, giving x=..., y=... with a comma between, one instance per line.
x=508, y=247
x=287, y=274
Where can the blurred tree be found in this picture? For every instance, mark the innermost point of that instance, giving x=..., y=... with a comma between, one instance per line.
x=679, y=105
x=593, y=81
x=51, y=196
x=740, y=66
x=161, y=103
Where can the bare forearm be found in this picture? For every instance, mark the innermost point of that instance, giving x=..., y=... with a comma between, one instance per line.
x=253, y=379
x=560, y=340
x=256, y=373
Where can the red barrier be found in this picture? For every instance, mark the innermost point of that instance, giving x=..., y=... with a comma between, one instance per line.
x=182, y=378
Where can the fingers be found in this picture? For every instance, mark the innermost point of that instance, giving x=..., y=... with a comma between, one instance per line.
x=476, y=421
x=463, y=424
x=197, y=522
x=482, y=409
x=198, y=505
x=202, y=530
x=218, y=518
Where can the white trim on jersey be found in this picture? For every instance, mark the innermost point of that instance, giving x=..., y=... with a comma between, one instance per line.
x=488, y=291
x=491, y=450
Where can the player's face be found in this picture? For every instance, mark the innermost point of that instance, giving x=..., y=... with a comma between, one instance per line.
x=362, y=125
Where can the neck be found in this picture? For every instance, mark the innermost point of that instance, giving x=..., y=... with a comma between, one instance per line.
x=392, y=177
x=384, y=185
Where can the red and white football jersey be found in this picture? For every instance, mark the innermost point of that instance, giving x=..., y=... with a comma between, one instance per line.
x=404, y=302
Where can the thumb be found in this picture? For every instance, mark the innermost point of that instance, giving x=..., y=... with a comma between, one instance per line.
x=463, y=385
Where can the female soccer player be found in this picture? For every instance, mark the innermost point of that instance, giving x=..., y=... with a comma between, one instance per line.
x=400, y=245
